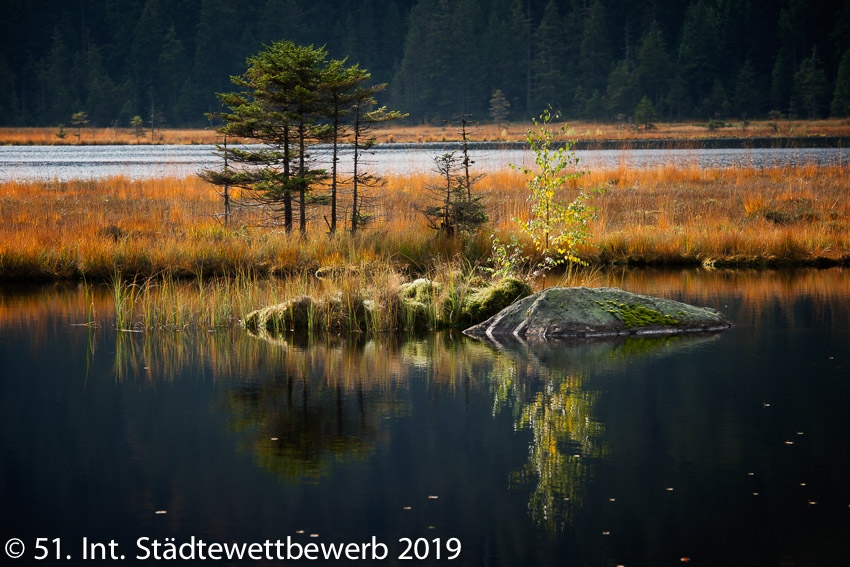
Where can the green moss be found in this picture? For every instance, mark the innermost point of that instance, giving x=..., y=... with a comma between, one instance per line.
x=421, y=290
x=486, y=302
x=637, y=315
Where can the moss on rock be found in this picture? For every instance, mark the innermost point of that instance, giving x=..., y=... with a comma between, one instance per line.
x=487, y=301
x=422, y=291
x=600, y=312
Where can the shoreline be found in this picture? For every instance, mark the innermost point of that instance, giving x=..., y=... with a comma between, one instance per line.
x=613, y=144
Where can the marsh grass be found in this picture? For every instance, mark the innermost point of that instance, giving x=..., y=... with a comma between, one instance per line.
x=398, y=133
x=167, y=228
x=104, y=136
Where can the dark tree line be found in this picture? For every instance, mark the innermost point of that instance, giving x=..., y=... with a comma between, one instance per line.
x=597, y=59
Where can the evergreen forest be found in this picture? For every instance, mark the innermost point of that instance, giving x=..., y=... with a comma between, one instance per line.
x=165, y=60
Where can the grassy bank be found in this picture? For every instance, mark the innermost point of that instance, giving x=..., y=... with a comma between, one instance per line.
x=397, y=133
x=91, y=229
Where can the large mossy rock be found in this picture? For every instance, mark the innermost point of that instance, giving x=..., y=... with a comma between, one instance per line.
x=599, y=312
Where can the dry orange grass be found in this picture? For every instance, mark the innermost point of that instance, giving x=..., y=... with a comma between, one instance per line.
x=104, y=136
x=397, y=133
x=666, y=215
x=582, y=130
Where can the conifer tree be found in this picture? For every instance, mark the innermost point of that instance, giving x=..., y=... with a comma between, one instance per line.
x=595, y=61
x=499, y=107
x=645, y=113
x=810, y=88
x=653, y=65
x=278, y=107
x=840, y=106
x=549, y=60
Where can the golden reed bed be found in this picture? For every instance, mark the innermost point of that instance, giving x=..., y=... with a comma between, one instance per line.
x=398, y=133
x=58, y=230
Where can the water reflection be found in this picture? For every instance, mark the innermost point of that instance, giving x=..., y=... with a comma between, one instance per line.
x=239, y=437
x=305, y=405
x=545, y=384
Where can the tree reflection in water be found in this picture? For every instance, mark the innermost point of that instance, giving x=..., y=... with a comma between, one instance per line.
x=305, y=404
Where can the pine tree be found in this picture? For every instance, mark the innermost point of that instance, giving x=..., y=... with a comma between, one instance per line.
x=810, y=88
x=138, y=126
x=747, y=97
x=595, y=56
x=698, y=49
x=621, y=94
x=550, y=52
x=79, y=120
x=653, y=65
x=279, y=107
x=840, y=106
x=645, y=113
x=499, y=107
x=337, y=90
x=781, y=82
x=362, y=123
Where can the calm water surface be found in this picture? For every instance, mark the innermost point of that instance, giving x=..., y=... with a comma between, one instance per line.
x=96, y=162
x=728, y=450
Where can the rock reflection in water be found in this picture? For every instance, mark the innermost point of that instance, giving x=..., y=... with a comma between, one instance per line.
x=304, y=405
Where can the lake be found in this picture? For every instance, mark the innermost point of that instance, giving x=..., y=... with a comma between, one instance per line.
x=95, y=162
x=726, y=449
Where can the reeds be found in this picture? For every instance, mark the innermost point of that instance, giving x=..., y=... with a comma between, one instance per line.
x=671, y=215
x=102, y=136
x=397, y=133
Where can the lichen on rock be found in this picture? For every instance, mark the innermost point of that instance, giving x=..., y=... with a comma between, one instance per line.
x=598, y=312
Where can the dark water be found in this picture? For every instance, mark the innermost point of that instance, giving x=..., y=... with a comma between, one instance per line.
x=538, y=454
x=97, y=162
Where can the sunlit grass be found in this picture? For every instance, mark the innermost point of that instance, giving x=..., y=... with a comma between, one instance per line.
x=171, y=227
x=399, y=133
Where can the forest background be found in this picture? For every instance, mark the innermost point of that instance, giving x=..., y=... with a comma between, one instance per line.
x=164, y=60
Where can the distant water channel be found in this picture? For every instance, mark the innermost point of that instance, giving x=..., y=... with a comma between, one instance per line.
x=142, y=162
x=728, y=449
